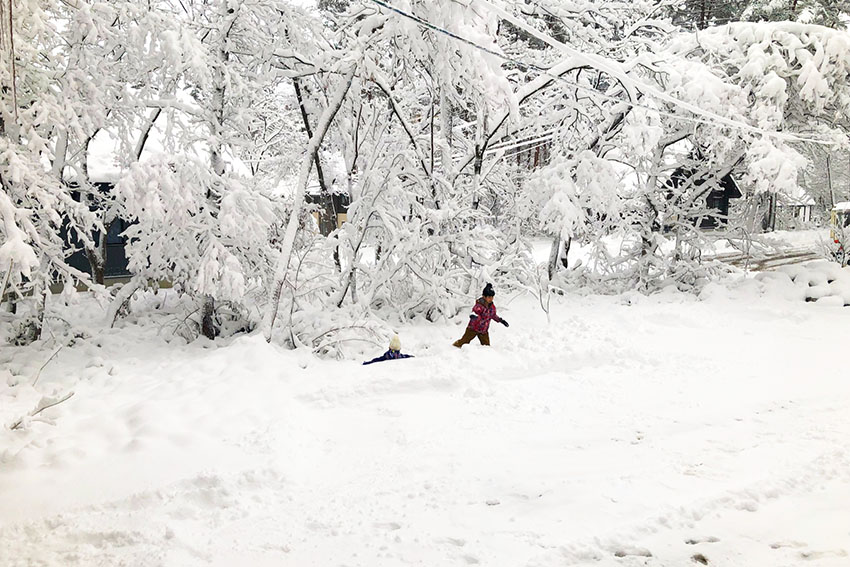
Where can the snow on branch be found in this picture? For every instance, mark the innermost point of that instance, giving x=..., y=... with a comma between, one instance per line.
x=631, y=84
x=46, y=402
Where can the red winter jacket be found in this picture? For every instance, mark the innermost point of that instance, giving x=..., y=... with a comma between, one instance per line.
x=485, y=313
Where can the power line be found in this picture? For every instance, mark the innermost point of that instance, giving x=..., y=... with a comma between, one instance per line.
x=546, y=72
x=603, y=64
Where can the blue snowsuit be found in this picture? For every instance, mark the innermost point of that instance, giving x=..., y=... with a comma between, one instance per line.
x=389, y=355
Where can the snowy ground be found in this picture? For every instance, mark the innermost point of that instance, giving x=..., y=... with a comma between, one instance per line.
x=660, y=431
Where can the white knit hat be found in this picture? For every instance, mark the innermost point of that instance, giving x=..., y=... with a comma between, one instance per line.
x=395, y=343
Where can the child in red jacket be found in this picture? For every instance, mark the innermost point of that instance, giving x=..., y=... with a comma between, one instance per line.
x=479, y=322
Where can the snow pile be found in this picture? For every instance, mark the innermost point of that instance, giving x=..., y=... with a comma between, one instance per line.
x=821, y=281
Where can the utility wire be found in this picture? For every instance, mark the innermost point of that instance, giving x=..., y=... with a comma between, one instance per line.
x=603, y=64
x=546, y=72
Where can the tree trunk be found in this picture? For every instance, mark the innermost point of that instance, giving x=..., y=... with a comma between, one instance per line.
x=353, y=285
x=146, y=131
x=208, y=328
x=447, y=136
x=327, y=213
x=96, y=256
x=829, y=183
x=476, y=175
x=552, y=267
x=7, y=45
x=478, y=163
x=96, y=262
x=771, y=212
x=303, y=175
x=60, y=152
x=558, y=254
x=41, y=307
x=648, y=241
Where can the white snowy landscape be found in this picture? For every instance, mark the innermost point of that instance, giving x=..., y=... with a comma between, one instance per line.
x=240, y=241
x=628, y=430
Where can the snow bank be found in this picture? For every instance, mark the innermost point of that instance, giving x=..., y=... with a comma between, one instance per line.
x=824, y=282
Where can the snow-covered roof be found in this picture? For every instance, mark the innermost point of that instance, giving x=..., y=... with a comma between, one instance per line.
x=842, y=206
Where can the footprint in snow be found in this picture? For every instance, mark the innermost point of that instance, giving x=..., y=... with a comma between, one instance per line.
x=812, y=555
x=781, y=544
x=748, y=506
x=636, y=551
x=457, y=542
x=709, y=539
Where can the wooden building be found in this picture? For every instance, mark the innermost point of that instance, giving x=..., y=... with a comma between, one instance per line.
x=116, y=257
x=717, y=200
x=338, y=203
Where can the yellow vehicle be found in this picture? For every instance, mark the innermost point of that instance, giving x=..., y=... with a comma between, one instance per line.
x=839, y=230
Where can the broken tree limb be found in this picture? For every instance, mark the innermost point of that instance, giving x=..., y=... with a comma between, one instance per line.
x=45, y=403
x=52, y=356
x=300, y=191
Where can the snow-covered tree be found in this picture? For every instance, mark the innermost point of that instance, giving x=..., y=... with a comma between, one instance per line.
x=216, y=247
x=46, y=112
x=224, y=117
x=770, y=79
x=223, y=154
x=583, y=101
x=416, y=99
x=580, y=198
x=832, y=13
x=701, y=14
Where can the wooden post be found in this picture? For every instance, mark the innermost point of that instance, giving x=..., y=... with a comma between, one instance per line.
x=769, y=223
x=829, y=183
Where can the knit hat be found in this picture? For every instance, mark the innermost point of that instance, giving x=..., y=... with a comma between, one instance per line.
x=488, y=291
x=395, y=343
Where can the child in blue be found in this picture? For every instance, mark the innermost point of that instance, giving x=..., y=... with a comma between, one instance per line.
x=392, y=354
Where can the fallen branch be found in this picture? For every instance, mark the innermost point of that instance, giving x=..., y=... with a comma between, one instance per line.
x=44, y=404
x=121, y=302
x=52, y=356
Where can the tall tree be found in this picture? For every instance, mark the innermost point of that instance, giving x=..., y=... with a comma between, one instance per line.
x=39, y=112
x=215, y=214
